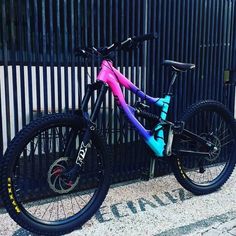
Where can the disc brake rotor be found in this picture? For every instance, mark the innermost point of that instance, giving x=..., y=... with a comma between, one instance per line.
x=55, y=179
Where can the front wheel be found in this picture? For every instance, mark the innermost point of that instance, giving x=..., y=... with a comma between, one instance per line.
x=33, y=168
x=205, y=174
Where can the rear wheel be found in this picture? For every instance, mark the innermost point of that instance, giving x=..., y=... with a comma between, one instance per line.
x=33, y=169
x=205, y=174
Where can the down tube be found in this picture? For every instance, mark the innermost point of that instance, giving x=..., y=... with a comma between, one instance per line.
x=156, y=145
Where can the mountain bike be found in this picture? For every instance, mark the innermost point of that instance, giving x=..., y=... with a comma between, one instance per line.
x=200, y=147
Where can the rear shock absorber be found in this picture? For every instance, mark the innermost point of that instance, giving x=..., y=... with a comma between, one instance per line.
x=155, y=118
x=147, y=115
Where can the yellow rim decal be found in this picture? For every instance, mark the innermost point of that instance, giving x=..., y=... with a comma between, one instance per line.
x=181, y=170
x=10, y=192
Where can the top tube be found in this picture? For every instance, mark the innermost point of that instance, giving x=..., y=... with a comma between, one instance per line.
x=109, y=74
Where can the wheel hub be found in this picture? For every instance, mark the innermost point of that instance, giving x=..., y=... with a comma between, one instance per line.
x=215, y=152
x=57, y=182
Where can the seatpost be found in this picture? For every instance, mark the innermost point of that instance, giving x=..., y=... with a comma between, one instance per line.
x=174, y=76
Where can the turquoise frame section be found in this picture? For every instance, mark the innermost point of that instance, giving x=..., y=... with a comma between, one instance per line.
x=158, y=146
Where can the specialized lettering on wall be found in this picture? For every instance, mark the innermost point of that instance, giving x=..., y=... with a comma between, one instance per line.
x=131, y=207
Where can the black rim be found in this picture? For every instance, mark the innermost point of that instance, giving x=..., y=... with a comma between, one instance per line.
x=206, y=170
x=52, y=142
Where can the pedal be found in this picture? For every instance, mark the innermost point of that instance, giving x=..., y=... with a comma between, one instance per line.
x=178, y=127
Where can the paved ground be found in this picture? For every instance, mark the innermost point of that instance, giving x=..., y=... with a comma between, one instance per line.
x=228, y=228
x=159, y=207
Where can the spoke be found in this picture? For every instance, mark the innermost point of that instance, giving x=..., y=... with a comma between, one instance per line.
x=212, y=121
x=51, y=211
x=32, y=148
x=230, y=141
x=57, y=210
x=62, y=137
x=60, y=140
x=72, y=207
x=36, y=144
x=185, y=141
x=199, y=177
x=45, y=144
x=57, y=132
x=63, y=208
x=77, y=201
x=225, y=137
x=220, y=168
x=222, y=134
x=50, y=138
x=211, y=175
x=82, y=199
x=36, y=209
x=220, y=125
x=46, y=209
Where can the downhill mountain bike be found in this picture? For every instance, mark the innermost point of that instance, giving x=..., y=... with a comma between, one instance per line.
x=200, y=146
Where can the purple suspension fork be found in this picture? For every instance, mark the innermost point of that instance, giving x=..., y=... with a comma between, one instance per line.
x=102, y=87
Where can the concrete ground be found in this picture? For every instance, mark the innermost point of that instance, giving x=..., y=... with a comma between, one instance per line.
x=159, y=207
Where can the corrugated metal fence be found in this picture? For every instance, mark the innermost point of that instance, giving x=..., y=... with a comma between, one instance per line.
x=40, y=74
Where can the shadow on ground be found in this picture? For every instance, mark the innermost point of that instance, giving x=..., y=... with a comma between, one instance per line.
x=23, y=232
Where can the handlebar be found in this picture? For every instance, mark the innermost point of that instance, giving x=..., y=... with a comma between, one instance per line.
x=145, y=37
x=125, y=45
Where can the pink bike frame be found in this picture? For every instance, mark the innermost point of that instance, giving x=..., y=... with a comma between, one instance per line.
x=113, y=78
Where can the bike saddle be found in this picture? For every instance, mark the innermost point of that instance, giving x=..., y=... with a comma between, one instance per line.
x=179, y=66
